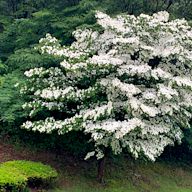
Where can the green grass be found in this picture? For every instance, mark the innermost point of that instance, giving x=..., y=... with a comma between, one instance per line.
x=129, y=176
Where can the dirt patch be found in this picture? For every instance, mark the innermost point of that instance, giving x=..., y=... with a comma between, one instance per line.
x=9, y=152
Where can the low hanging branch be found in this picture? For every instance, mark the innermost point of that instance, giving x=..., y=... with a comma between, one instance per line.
x=128, y=87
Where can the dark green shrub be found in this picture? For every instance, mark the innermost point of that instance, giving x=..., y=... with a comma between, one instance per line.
x=16, y=175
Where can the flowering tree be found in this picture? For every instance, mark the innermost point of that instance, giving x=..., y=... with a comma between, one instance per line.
x=129, y=87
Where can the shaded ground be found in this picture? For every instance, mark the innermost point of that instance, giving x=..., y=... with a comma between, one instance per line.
x=122, y=175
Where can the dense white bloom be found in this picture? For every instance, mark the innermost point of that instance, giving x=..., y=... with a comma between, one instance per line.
x=167, y=92
x=35, y=71
x=104, y=60
x=161, y=16
x=129, y=87
x=54, y=94
x=94, y=114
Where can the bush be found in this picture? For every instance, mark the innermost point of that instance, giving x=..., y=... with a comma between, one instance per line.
x=16, y=175
x=11, y=180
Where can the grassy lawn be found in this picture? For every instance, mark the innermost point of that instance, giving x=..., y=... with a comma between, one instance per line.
x=130, y=177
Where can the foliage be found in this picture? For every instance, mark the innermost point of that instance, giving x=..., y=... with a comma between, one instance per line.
x=2, y=68
x=24, y=32
x=60, y=18
x=177, y=8
x=128, y=87
x=12, y=115
x=10, y=99
x=12, y=180
x=15, y=175
x=24, y=59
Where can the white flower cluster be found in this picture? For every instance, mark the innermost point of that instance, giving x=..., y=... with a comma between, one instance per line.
x=78, y=121
x=32, y=72
x=128, y=87
x=51, y=45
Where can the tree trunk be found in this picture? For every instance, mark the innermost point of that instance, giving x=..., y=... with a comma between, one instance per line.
x=101, y=170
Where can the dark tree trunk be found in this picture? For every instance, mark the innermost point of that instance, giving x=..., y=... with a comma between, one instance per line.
x=101, y=170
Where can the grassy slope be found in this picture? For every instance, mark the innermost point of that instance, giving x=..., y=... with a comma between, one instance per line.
x=132, y=177
x=122, y=175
